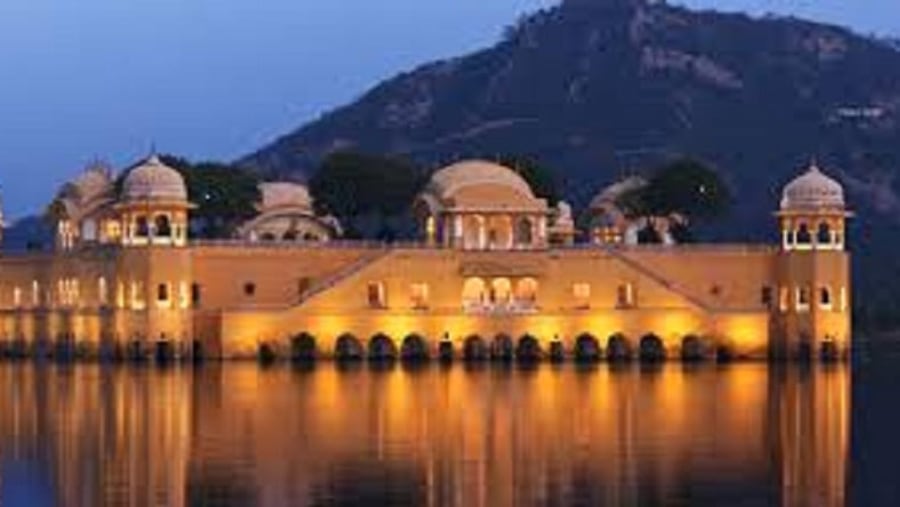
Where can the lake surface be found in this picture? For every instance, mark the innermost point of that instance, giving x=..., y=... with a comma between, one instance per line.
x=236, y=434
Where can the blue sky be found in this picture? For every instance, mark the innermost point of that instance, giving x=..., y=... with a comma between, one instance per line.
x=217, y=78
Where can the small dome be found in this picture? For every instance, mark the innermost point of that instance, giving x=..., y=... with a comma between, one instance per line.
x=611, y=194
x=445, y=182
x=153, y=180
x=284, y=195
x=812, y=190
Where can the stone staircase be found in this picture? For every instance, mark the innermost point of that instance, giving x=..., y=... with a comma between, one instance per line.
x=342, y=274
x=656, y=277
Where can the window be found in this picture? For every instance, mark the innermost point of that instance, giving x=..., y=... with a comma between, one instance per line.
x=825, y=302
x=625, y=296
x=102, y=291
x=765, y=296
x=249, y=289
x=376, y=295
x=581, y=292
x=35, y=293
x=162, y=292
x=419, y=295
x=137, y=295
x=783, y=299
x=184, y=295
x=195, y=294
x=802, y=299
x=17, y=297
x=142, y=227
x=823, y=236
x=844, y=299
x=163, y=226
x=303, y=286
x=804, y=237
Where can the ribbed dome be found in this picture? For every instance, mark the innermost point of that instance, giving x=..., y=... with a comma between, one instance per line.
x=812, y=190
x=153, y=180
x=448, y=180
x=284, y=194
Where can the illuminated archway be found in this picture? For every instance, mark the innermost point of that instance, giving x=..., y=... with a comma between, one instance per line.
x=501, y=290
x=473, y=291
x=502, y=348
x=529, y=349
x=587, y=348
x=692, y=349
x=348, y=348
x=617, y=348
x=524, y=234
x=651, y=349
x=382, y=348
x=414, y=348
x=526, y=291
x=303, y=347
x=475, y=348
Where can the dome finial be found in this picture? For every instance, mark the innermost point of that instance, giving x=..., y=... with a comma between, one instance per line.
x=814, y=164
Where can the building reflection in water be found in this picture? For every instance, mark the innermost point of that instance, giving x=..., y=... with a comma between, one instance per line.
x=239, y=435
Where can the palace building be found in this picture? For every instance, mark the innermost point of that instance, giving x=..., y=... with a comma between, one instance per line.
x=497, y=273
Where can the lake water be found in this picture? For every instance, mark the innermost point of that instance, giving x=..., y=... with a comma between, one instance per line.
x=237, y=434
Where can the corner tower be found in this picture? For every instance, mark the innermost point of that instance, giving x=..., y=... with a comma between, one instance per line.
x=155, y=269
x=813, y=270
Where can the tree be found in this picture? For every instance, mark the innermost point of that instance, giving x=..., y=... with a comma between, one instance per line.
x=541, y=179
x=225, y=195
x=682, y=187
x=368, y=193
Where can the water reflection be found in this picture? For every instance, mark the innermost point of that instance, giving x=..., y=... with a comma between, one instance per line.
x=238, y=435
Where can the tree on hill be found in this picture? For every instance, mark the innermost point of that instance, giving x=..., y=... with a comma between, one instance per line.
x=370, y=194
x=684, y=190
x=225, y=195
x=541, y=179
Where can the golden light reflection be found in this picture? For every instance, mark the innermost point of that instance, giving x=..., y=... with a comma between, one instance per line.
x=442, y=436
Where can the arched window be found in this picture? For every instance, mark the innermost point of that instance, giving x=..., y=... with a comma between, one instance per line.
x=524, y=235
x=825, y=300
x=804, y=237
x=526, y=291
x=163, y=226
x=141, y=227
x=309, y=236
x=89, y=230
x=290, y=236
x=823, y=235
x=267, y=236
x=473, y=292
x=501, y=290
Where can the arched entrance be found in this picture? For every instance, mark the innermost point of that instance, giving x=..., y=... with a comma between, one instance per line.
x=348, y=348
x=617, y=348
x=414, y=348
x=528, y=349
x=587, y=348
x=502, y=348
x=303, y=347
x=473, y=292
x=381, y=348
x=651, y=349
x=692, y=349
x=475, y=348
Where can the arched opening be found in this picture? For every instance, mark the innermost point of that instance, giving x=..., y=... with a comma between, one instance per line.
x=381, y=348
x=528, y=349
x=823, y=234
x=473, y=292
x=475, y=348
x=414, y=348
x=502, y=348
x=501, y=290
x=724, y=353
x=267, y=236
x=303, y=347
x=473, y=232
x=587, y=348
x=348, y=348
x=266, y=353
x=617, y=348
x=289, y=236
x=163, y=226
x=828, y=351
x=141, y=227
x=692, y=349
x=524, y=234
x=804, y=237
x=526, y=292
x=651, y=349
x=310, y=237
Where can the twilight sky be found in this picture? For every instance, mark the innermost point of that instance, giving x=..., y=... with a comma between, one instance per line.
x=217, y=78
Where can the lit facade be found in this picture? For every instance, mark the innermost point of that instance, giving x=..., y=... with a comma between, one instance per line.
x=496, y=274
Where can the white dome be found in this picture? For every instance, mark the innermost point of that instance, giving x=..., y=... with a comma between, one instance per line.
x=448, y=180
x=812, y=190
x=284, y=194
x=153, y=180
